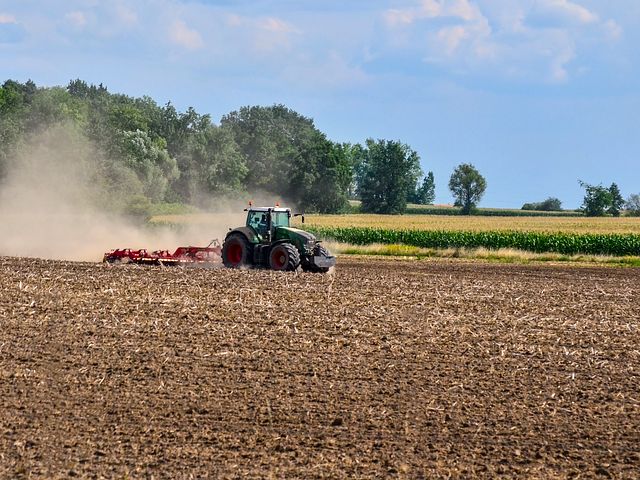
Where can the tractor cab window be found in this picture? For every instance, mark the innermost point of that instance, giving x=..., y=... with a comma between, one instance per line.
x=258, y=221
x=280, y=219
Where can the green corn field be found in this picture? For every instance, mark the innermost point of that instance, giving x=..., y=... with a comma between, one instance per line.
x=539, y=242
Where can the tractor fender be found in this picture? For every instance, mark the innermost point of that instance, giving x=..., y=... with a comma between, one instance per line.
x=248, y=232
x=282, y=240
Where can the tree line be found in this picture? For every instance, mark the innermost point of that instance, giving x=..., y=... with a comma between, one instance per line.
x=145, y=152
x=598, y=201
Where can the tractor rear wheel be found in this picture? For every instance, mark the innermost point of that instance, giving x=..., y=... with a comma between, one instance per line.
x=235, y=251
x=284, y=257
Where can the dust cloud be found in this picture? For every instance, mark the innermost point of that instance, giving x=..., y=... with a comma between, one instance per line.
x=56, y=204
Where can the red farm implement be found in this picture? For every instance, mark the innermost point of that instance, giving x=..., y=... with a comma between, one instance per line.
x=182, y=256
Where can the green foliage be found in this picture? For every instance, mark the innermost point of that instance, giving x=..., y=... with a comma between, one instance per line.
x=490, y=212
x=617, y=202
x=149, y=160
x=143, y=149
x=325, y=189
x=388, y=175
x=632, y=205
x=210, y=163
x=467, y=186
x=355, y=154
x=538, y=242
x=80, y=89
x=551, y=204
x=425, y=194
x=15, y=99
x=599, y=200
x=286, y=154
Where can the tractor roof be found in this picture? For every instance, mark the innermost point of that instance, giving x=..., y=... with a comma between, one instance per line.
x=266, y=209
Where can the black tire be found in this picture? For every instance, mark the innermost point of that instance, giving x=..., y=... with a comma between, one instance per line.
x=319, y=250
x=284, y=257
x=236, y=251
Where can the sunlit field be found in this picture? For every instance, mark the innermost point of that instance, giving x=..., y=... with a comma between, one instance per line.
x=431, y=222
x=473, y=223
x=566, y=239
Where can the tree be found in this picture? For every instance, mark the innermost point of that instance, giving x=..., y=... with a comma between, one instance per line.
x=209, y=163
x=287, y=155
x=355, y=154
x=633, y=205
x=426, y=193
x=321, y=176
x=617, y=202
x=598, y=200
x=467, y=186
x=269, y=138
x=150, y=161
x=389, y=173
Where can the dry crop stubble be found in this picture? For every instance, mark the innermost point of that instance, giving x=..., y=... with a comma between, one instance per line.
x=386, y=368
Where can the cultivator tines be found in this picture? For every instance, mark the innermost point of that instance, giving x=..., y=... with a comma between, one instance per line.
x=182, y=256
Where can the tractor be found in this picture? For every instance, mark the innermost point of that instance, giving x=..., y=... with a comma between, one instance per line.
x=268, y=240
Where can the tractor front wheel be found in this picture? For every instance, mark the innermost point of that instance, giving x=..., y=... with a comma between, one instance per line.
x=284, y=257
x=235, y=251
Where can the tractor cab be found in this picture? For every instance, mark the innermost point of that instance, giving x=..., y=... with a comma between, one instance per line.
x=265, y=220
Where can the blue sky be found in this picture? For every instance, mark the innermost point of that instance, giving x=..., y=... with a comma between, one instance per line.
x=535, y=93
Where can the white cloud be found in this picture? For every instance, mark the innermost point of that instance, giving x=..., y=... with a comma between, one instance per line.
x=514, y=37
x=77, y=19
x=466, y=33
x=430, y=9
x=180, y=34
x=451, y=37
x=6, y=18
x=463, y=9
x=566, y=11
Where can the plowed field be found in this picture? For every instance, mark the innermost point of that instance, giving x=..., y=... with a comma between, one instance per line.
x=383, y=369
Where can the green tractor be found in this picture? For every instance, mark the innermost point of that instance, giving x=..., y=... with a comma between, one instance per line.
x=268, y=240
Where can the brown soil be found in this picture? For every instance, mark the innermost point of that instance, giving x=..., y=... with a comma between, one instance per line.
x=383, y=369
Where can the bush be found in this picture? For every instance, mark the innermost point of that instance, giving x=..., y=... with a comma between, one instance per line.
x=551, y=204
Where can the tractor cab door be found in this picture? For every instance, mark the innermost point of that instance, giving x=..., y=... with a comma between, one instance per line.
x=259, y=221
